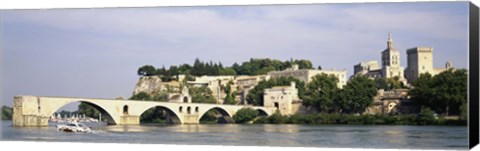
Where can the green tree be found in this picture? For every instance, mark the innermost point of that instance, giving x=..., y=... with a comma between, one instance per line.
x=229, y=99
x=450, y=90
x=141, y=96
x=147, y=70
x=421, y=94
x=394, y=83
x=162, y=96
x=277, y=118
x=244, y=115
x=444, y=93
x=464, y=111
x=7, y=113
x=426, y=116
x=357, y=95
x=382, y=83
x=321, y=91
x=227, y=71
x=304, y=64
x=210, y=117
x=202, y=95
x=156, y=115
x=89, y=110
x=263, y=66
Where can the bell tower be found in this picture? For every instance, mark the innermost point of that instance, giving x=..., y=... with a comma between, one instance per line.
x=391, y=61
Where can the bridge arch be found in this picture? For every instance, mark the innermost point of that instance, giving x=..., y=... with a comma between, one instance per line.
x=97, y=106
x=262, y=112
x=172, y=113
x=224, y=117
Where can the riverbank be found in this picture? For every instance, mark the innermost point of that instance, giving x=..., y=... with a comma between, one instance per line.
x=351, y=119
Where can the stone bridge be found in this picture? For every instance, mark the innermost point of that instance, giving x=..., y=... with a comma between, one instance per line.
x=36, y=110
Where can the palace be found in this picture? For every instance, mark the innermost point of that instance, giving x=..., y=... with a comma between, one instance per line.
x=419, y=61
x=390, y=64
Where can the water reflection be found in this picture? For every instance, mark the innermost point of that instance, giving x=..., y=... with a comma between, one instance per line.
x=287, y=128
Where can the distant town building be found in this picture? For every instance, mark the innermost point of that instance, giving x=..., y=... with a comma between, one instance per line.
x=393, y=101
x=364, y=67
x=215, y=84
x=370, y=69
x=246, y=83
x=306, y=75
x=183, y=97
x=420, y=60
x=390, y=68
x=284, y=98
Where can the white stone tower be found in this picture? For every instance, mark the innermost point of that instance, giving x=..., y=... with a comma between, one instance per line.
x=391, y=61
x=419, y=61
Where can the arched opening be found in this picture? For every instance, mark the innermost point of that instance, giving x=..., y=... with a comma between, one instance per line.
x=125, y=109
x=392, y=107
x=196, y=109
x=216, y=115
x=261, y=112
x=185, y=99
x=83, y=112
x=159, y=115
x=180, y=109
x=189, y=110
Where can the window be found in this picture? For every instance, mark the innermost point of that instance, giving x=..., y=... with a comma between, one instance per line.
x=189, y=110
x=196, y=109
x=180, y=109
x=125, y=109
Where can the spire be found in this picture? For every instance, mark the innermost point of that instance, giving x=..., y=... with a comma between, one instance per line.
x=390, y=41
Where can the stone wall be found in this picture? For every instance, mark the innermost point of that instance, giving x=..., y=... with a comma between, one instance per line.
x=152, y=85
x=148, y=84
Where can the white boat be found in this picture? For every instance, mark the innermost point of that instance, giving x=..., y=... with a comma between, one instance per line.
x=74, y=127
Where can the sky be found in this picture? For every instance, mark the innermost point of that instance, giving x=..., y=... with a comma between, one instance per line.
x=95, y=53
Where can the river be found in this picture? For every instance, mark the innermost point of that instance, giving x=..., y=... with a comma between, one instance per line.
x=341, y=136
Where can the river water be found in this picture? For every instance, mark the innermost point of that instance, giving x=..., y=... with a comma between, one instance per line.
x=341, y=136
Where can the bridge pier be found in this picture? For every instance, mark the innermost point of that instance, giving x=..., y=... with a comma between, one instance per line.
x=129, y=120
x=26, y=112
x=30, y=121
x=191, y=119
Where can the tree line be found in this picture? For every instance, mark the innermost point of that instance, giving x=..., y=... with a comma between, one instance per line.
x=444, y=93
x=210, y=68
x=7, y=113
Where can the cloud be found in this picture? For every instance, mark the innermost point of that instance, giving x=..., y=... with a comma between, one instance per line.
x=115, y=40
